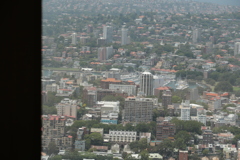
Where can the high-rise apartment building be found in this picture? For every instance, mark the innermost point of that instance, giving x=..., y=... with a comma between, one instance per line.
x=89, y=28
x=146, y=83
x=74, y=38
x=165, y=130
x=107, y=33
x=138, y=109
x=196, y=36
x=109, y=52
x=53, y=130
x=124, y=39
x=105, y=53
x=67, y=107
x=185, y=111
x=201, y=116
x=166, y=99
x=102, y=55
x=194, y=94
x=237, y=48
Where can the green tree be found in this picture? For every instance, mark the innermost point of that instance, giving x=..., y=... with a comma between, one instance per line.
x=95, y=138
x=205, y=152
x=142, y=127
x=144, y=155
x=142, y=143
x=56, y=157
x=184, y=137
x=176, y=99
x=166, y=147
x=180, y=144
x=236, y=139
x=223, y=86
x=49, y=110
x=52, y=148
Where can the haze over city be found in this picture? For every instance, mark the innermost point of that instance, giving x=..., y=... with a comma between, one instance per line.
x=137, y=79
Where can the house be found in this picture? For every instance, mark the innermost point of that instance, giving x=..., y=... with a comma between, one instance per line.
x=155, y=156
x=115, y=148
x=100, y=148
x=97, y=130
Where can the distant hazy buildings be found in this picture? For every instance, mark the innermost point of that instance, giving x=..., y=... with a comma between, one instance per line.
x=194, y=94
x=196, y=36
x=102, y=54
x=124, y=40
x=237, y=48
x=107, y=33
x=109, y=52
x=74, y=38
x=105, y=53
x=146, y=83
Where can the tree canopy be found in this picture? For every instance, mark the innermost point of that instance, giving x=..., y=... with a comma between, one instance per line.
x=223, y=86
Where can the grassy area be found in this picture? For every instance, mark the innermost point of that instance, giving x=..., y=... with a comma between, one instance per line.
x=61, y=69
x=212, y=87
x=236, y=88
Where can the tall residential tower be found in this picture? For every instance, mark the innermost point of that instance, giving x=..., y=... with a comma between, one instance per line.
x=146, y=83
x=107, y=33
x=124, y=40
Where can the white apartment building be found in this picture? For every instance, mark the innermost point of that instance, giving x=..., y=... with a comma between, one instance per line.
x=202, y=118
x=237, y=48
x=185, y=111
x=122, y=136
x=129, y=89
x=74, y=38
x=108, y=106
x=67, y=107
x=107, y=33
x=52, y=87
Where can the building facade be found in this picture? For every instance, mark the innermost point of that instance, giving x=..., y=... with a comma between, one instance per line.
x=129, y=89
x=53, y=130
x=185, y=111
x=74, y=38
x=196, y=36
x=107, y=33
x=138, y=110
x=166, y=99
x=102, y=54
x=165, y=130
x=237, y=48
x=122, y=136
x=146, y=83
x=106, y=82
x=67, y=107
x=124, y=38
x=183, y=155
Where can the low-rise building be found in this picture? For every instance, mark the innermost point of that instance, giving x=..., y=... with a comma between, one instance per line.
x=122, y=136
x=97, y=130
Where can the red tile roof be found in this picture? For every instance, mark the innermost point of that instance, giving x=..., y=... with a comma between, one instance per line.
x=111, y=80
x=163, y=88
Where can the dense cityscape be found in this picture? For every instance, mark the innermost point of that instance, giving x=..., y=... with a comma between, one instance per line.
x=137, y=79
